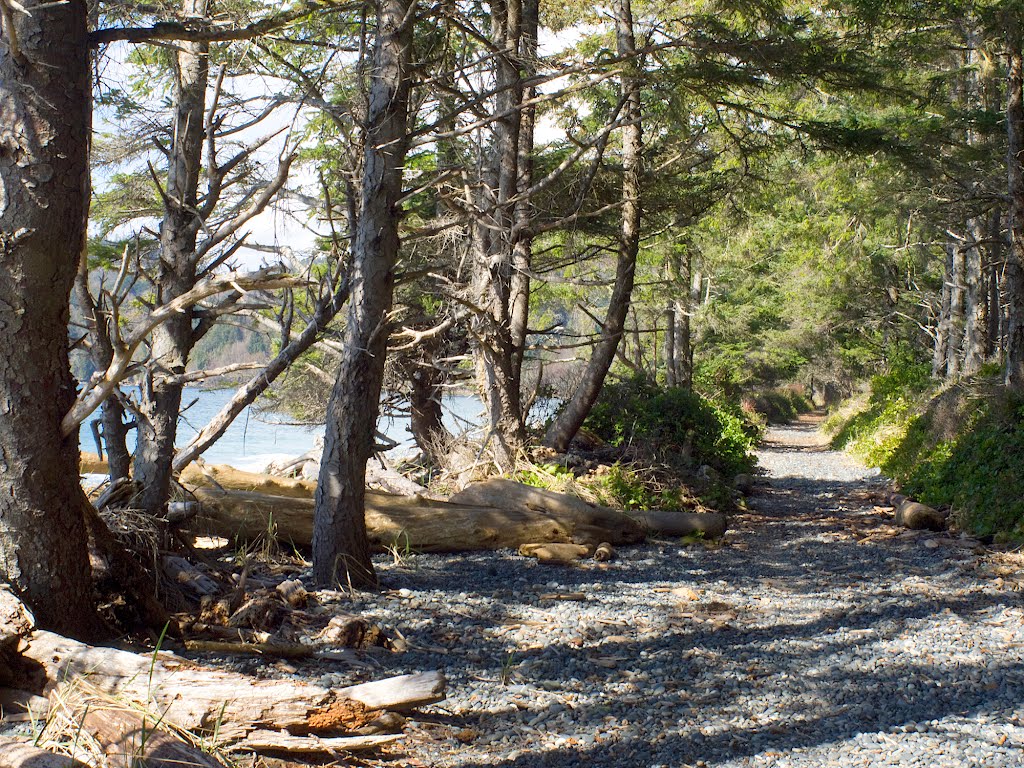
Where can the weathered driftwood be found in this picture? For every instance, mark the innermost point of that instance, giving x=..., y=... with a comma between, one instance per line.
x=18, y=705
x=711, y=525
x=130, y=739
x=15, y=619
x=19, y=753
x=556, y=553
x=278, y=741
x=188, y=576
x=286, y=508
x=576, y=520
x=200, y=699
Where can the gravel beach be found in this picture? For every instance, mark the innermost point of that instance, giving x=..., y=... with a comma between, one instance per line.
x=816, y=634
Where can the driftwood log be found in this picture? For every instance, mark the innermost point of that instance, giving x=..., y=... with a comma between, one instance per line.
x=246, y=505
x=510, y=495
x=20, y=753
x=710, y=525
x=204, y=700
x=15, y=620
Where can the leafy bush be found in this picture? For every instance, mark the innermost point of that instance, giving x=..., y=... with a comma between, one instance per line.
x=674, y=425
x=779, y=404
x=958, y=448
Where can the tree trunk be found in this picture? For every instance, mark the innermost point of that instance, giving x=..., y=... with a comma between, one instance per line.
x=341, y=550
x=425, y=413
x=993, y=268
x=940, y=353
x=173, y=340
x=44, y=191
x=670, y=344
x=503, y=294
x=974, y=300
x=1015, y=177
x=954, y=358
x=114, y=432
x=522, y=242
x=571, y=417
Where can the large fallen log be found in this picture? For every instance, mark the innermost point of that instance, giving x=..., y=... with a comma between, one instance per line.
x=581, y=521
x=285, y=507
x=203, y=700
x=710, y=525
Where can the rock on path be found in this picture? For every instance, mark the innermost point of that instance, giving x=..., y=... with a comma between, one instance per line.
x=816, y=635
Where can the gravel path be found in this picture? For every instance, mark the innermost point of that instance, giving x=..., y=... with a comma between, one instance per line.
x=815, y=635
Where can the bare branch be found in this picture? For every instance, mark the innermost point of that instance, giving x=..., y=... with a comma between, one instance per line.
x=103, y=383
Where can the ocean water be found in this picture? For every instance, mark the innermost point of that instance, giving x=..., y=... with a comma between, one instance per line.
x=255, y=439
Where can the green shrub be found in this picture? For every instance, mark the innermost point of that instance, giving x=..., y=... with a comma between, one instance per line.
x=674, y=425
x=779, y=404
x=960, y=448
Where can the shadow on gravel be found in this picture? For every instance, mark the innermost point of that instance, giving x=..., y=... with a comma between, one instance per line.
x=746, y=687
x=809, y=703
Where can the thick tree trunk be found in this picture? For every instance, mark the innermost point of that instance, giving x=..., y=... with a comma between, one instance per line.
x=341, y=550
x=1015, y=176
x=44, y=190
x=173, y=340
x=571, y=417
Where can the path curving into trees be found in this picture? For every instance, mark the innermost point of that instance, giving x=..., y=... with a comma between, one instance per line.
x=817, y=635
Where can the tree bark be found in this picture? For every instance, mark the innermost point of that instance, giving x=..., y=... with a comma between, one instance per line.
x=341, y=550
x=571, y=417
x=954, y=357
x=975, y=303
x=1015, y=177
x=940, y=352
x=173, y=340
x=45, y=103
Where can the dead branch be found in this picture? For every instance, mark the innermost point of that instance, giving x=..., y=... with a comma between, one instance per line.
x=103, y=383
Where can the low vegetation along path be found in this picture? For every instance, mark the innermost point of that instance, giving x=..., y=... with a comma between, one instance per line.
x=817, y=634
